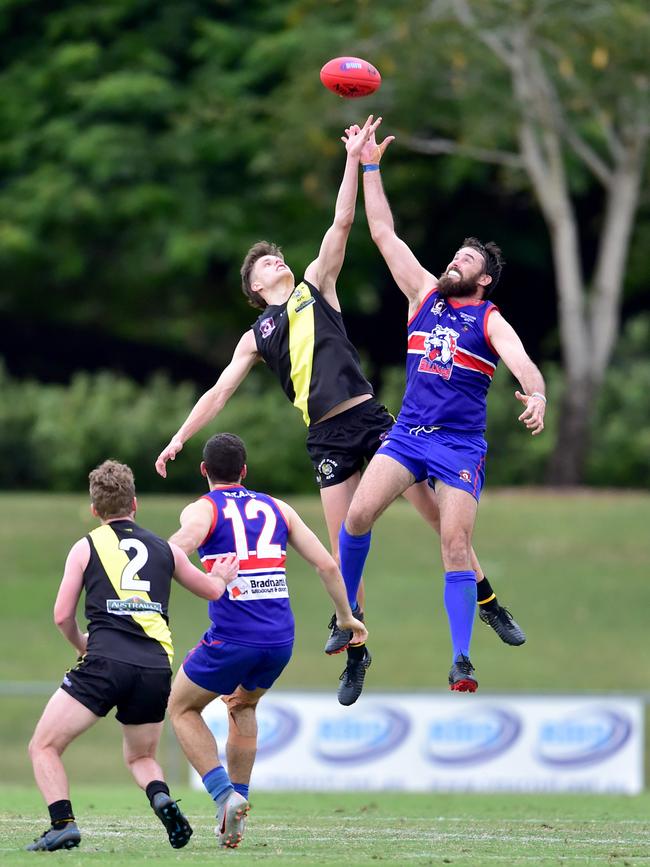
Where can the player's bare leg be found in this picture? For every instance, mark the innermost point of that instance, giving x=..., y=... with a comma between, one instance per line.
x=491, y=612
x=383, y=481
x=63, y=720
x=241, y=747
x=139, y=746
x=186, y=702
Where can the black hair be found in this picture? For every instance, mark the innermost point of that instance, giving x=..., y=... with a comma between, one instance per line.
x=224, y=456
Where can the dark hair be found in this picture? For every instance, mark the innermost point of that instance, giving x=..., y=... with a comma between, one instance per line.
x=112, y=489
x=262, y=248
x=224, y=456
x=493, y=258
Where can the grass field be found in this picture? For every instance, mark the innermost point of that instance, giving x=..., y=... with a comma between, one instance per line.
x=349, y=829
x=573, y=569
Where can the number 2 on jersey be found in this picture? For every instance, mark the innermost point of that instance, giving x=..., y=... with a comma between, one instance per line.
x=264, y=548
x=128, y=581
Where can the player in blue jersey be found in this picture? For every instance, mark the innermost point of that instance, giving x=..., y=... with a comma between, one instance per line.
x=455, y=338
x=250, y=639
x=125, y=657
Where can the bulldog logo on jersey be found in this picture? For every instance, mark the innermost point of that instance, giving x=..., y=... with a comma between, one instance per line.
x=439, y=351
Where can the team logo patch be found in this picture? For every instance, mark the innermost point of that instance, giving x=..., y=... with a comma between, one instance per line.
x=439, y=350
x=438, y=308
x=327, y=468
x=267, y=326
x=465, y=476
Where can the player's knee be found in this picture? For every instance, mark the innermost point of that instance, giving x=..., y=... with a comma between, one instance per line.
x=239, y=702
x=456, y=549
x=358, y=522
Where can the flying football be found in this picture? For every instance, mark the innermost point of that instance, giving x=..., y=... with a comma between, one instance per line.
x=350, y=77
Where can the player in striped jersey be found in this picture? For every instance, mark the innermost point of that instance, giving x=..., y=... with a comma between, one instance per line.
x=455, y=338
x=250, y=639
x=126, y=655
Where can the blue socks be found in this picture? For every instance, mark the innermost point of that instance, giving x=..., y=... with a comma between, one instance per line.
x=460, y=602
x=218, y=784
x=242, y=788
x=353, y=551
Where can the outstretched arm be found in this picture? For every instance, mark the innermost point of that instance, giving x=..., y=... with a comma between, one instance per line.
x=311, y=549
x=414, y=280
x=509, y=347
x=213, y=401
x=208, y=586
x=323, y=272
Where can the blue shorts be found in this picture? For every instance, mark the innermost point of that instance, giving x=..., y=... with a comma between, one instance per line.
x=457, y=459
x=221, y=666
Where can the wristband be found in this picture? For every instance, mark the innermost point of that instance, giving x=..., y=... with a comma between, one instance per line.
x=540, y=396
x=370, y=167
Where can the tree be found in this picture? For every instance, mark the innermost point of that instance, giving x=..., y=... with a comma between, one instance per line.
x=557, y=91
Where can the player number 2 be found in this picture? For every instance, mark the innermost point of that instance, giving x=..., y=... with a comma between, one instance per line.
x=264, y=548
x=128, y=581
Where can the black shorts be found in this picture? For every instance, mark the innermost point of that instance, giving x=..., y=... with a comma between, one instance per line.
x=339, y=446
x=100, y=684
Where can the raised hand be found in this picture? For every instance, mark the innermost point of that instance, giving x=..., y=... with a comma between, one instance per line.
x=356, y=137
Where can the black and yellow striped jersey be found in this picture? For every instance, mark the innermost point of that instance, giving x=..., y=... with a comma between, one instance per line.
x=127, y=583
x=305, y=344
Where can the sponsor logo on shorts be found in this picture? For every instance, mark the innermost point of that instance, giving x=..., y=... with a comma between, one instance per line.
x=66, y=680
x=132, y=605
x=267, y=326
x=466, y=739
x=583, y=738
x=361, y=738
x=465, y=476
x=326, y=468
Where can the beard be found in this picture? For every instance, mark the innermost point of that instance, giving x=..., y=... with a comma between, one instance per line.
x=449, y=287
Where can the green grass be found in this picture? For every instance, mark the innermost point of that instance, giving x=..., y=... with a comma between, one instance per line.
x=349, y=829
x=572, y=568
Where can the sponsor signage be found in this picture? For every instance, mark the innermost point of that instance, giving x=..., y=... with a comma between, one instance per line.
x=445, y=743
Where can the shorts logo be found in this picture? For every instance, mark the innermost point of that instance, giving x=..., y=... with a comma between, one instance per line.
x=465, y=476
x=327, y=468
x=132, y=605
x=267, y=326
x=439, y=351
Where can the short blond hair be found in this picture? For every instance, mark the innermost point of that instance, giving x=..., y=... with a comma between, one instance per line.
x=112, y=489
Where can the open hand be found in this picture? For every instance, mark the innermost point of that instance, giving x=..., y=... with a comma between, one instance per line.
x=533, y=415
x=226, y=567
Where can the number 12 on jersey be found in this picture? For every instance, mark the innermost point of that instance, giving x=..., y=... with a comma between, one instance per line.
x=264, y=547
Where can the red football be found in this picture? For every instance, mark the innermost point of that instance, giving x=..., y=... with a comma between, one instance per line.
x=350, y=77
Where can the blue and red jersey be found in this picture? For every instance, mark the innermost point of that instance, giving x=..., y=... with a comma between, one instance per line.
x=449, y=365
x=255, y=609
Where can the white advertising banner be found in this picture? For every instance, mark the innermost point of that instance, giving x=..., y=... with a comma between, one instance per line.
x=414, y=742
